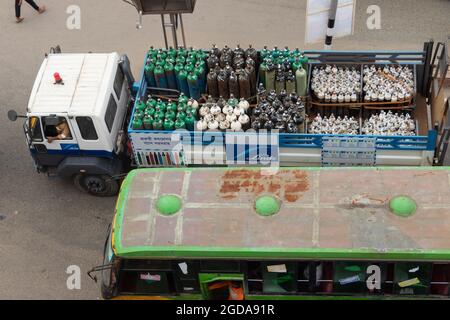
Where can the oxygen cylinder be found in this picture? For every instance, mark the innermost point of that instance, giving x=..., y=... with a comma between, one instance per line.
x=152, y=52
x=262, y=72
x=251, y=53
x=270, y=76
x=301, y=80
x=212, y=83
x=169, y=124
x=250, y=70
x=265, y=53
x=233, y=84
x=244, y=84
x=222, y=82
x=290, y=82
x=160, y=77
x=212, y=60
x=148, y=122
x=193, y=83
x=180, y=124
x=140, y=105
x=280, y=79
x=172, y=106
x=137, y=123
x=170, y=115
x=149, y=73
x=190, y=122
x=201, y=74
x=182, y=82
x=170, y=76
x=182, y=98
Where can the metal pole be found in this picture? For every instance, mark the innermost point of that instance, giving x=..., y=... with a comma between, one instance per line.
x=331, y=21
x=174, y=30
x=164, y=31
x=182, y=31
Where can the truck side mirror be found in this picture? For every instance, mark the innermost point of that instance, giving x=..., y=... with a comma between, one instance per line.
x=12, y=115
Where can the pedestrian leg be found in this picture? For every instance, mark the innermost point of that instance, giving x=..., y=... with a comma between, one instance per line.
x=17, y=5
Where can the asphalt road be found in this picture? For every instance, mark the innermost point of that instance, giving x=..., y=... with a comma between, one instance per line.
x=45, y=224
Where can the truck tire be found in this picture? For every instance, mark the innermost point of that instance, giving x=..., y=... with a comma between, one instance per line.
x=97, y=185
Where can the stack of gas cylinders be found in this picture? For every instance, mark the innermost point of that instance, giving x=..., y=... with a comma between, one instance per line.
x=232, y=72
x=156, y=114
x=178, y=69
x=224, y=115
x=284, y=70
x=283, y=112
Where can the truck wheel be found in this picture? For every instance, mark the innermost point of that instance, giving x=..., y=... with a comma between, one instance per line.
x=97, y=185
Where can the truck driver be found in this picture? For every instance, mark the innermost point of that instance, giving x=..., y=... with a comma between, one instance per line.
x=62, y=129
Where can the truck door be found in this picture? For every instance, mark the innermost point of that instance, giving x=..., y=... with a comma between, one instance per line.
x=58, y=141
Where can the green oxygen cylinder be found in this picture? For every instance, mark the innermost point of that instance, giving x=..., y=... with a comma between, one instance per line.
x=182, y=81
x=158, y=124
x=149, y=73
x=180, y=124
x=159, y=113
x=152, y=52
x=265, y=53
x=150, y=111
x=170, y=76
x=172, y=106
x=140, y=105
x=304, y=61
x=183, y=98
x=137, y=123
x=194, y=87
x=172, y=53
x=160, y=77
x=161, y=105
x=181, y=115
x=170, y=115
x=270, y=76
x=169, y=124
x=148, y=122
x=151, y=102
x=302, y=82
x=190, y=121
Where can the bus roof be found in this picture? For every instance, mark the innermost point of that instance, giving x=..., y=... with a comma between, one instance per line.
x=325, y=213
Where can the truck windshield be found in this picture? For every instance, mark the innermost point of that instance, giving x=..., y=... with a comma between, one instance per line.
x=34, y=126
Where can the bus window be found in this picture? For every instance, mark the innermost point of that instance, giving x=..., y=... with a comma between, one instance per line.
x=440, y=279
x=349, y=277
x=187, y=276
x=146, y=282
x=412, y=278
x=326, y=281
x=307, y=271
x=255, y=277
x=279, y=277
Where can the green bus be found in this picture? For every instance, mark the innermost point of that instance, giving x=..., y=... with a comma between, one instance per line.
x=291, y=233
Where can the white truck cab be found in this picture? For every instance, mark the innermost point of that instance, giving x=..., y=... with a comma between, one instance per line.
x=75, y=119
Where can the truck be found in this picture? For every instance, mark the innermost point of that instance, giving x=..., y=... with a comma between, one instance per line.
x=93, y=96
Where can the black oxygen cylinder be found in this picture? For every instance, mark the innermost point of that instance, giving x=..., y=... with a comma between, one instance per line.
x=222, y=82
x=212, y=60
x=244, y=84
x=233, y=84
x=213, y=86
x=251, y=53
x=250, y=70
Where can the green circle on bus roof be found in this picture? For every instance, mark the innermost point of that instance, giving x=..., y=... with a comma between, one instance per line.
x=168, y=204
x=402, y=206
x=267, y=205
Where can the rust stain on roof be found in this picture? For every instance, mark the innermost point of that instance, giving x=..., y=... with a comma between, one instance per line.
x=286, y=184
